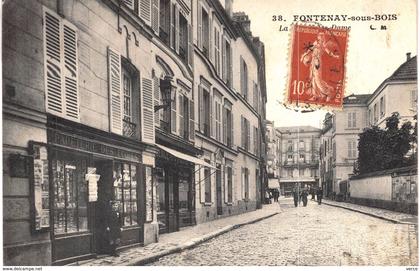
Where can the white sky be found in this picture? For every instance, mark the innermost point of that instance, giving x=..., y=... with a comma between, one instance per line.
x=372, y=55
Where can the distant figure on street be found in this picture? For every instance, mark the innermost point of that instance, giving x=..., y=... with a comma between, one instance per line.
x=312, y=190
x=276, y=195
x=296, y=195
x=319, y=193
x=304, y=196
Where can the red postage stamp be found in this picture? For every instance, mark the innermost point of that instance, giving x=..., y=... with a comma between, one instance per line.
x=317, y=66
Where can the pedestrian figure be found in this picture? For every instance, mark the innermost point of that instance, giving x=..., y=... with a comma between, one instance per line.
x=296, y=195
x=113, y=228
x=312, y=193
x=319, y=195
x=276, y=195
x=304, y=196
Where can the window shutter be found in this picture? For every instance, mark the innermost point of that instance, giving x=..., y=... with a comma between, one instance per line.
x=180, y=115
x=156, y=96
x=145, y=10
x=190, y=47
x=200, y=109
x=224, y=121
x=173, y=112
x=248, y=127
x=242, y=132
x=230, y=71
x=202, y=185
x=232, y=129
x=115, y=91
x=242, y=183
x=242, y=77
x=349, y=149
x=155, y=16
x=53, y=73
x=192, y=122
x=199, y=25
x=354, y=119
x=211, y=122
x=177, y=28
x=172, y=37
x=129, y=3
x=148, y=131
x=211, y=33
x=224, y=62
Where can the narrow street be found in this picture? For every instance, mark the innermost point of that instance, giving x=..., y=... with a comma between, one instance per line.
x=314, y=235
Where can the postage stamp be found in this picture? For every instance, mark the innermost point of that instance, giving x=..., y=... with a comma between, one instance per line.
x=317, y=66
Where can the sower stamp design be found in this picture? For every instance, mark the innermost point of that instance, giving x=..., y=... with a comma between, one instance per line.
x=317, y=66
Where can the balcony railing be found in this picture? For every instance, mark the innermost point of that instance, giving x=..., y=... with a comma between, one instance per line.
x=129, y=128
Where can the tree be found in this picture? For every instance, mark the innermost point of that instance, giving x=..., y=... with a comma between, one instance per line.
x=387, y=148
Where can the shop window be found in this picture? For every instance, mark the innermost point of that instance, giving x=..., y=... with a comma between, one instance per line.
x=207, y=185
x=70, y=196
x=125, y=192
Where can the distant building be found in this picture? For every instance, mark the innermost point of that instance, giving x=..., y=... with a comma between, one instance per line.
x=326, y=157
x=298, y=156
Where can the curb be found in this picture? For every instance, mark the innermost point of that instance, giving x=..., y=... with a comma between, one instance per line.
x=194, y=242
x=370, y=214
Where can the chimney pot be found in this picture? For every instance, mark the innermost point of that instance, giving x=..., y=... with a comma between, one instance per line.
x=408, y=56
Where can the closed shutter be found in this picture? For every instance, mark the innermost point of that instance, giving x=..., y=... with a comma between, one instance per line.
x=172, y=34
x=180, y=115
x=129, y=3
x=242, y=132
x=202, y=185
x=115, y=91
x=232, y=128
x=211, y=34
x=190, y=47
x=148, y=131
x=155, y=16
x=242, y=183
x=177, y=29
x=211, y=126
x=173, y=112
x=145, y=10
x=61, y=69
x=201, y=109
x=224, y=121
x=199, y=25
x=230, y=71
x=53, y=72
x=156, y=96
x=248, y=127
x=224, y=62
x=192, y=122
x=225, y=182
x=242, y=77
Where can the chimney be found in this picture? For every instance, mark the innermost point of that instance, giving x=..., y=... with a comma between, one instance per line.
x=229, y=8
x=408, y=56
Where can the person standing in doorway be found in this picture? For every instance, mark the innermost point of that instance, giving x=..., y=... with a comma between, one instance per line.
x=113, y=227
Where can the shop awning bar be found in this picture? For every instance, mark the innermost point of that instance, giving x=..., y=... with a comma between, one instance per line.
x=185, y=157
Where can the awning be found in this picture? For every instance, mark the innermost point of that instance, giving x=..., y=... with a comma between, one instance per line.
x=297, y=181
x=185, y=157
x=273, y=183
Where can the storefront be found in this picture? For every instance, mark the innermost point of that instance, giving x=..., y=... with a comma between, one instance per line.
x=175, y=186
x=88, y=169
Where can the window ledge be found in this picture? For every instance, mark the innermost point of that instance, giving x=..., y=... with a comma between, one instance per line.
x=207, y=204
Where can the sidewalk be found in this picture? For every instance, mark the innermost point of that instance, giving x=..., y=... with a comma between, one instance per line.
x=392, y=216
x=184, y=239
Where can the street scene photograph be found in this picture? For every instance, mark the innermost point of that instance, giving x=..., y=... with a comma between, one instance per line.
x=205, y=133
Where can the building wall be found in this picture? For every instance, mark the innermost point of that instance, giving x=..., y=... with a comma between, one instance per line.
x=378, y=187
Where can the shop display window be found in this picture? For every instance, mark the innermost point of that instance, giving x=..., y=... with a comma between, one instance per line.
x=125, y=191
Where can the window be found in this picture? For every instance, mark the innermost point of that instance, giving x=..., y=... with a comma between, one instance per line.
x=351, y=120
x=127, y=89
x=301, y=145
x=256, y=97
x=217, y=50
x=227, y=125
x=375, y=113
x=413, y=99
x=206, y=32
x=173, y=26
x=256, y=141
x=204, y=111
x=183, y=38
x=370, y=117
x=70, y=194
x=301, y=172
x=382, y=106
x=227, y=63
x=61, y=65
x=244, y=79
x=229, y=175
x=301, y=157
x=334, y=152
x=245, y=135
x=165, y=21
x=207, y=185
x=125, y=191
x=290, y=173
x=218, y=119
x=352, y=149
x=289, y=145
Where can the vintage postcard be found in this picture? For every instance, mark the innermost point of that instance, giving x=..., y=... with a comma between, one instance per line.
x=209, y=133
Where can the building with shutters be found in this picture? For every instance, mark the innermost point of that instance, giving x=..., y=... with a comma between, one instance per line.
x=106, y=100
x=326, y=155
x=299, y=157
x=230, y=111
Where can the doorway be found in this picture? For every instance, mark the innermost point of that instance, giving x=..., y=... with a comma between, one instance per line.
x=219, y=199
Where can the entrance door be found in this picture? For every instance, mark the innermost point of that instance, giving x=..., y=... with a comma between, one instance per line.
x=104, y=169
x=172, y=202
x=219, y=199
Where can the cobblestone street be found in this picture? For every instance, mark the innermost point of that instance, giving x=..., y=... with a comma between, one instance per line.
x=314, y=235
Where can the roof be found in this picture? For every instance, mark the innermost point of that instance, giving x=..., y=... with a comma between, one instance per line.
x=407, y=71
x=356, y=99
x=294, y=129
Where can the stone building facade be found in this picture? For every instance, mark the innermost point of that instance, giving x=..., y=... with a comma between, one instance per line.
x=102, y=101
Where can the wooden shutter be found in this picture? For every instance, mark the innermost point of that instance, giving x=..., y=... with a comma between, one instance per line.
x=172, y=18
x=156, y=96
x=148, y=129
x=115, y=91
x=173, y=112
x=224, y=121
x=242, y=183
x=354, y=120
x=177, y=28
x=248, y=127
x=211, y=122
x=191, y=122
x=232, y=128
x=145, y=10
x=190, y=47
x=230, y=70
x=53, y=72
x=180, y=115
x=129, y=3
x=201, y=116
x=242, y=73
x=242, y=132
x=224, y=62
x=211, y=33
x=199, y=25
x=201, y=185
x=155, y=16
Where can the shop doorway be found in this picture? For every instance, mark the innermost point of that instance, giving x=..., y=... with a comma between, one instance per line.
x=219, y=200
